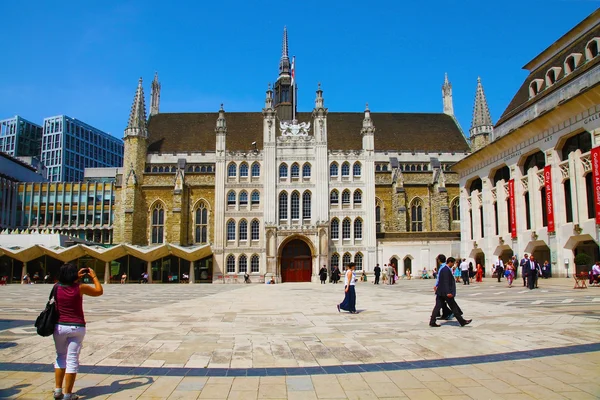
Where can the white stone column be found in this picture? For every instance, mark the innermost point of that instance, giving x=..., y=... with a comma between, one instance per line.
x=23, y=271
x=107, y=272
x=149, y=271
x=192, y=273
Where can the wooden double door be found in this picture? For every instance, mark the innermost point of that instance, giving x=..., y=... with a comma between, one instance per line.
x=296, y=262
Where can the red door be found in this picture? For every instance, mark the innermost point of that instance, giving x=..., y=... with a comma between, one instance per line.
x=296, y=262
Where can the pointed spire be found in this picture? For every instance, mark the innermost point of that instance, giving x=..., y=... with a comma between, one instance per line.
x=155, y=96
x=319, y=101
x=481, y=112
x=284, y=63
x=137, y=116
x=447, y=96
x=269, y=98
x=368, y=127
x=284, y=45
x=221, y=123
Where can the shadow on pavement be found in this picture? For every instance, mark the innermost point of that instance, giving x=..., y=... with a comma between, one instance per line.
x=12, y=391
x=115, y=387
x=7, y=345
x=14, y=323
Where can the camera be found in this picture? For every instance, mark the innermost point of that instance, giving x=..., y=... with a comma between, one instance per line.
x=85, y=270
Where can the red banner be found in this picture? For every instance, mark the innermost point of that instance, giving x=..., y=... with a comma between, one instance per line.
x=595, y=156
x=549, y=204
x=513, y=217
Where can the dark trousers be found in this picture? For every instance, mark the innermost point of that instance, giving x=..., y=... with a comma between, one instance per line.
x=531, y=278
x=499, y=272
x=349, y=303
x=440, y=302
x=524, y=278
x=465, y=277
x=377, y=279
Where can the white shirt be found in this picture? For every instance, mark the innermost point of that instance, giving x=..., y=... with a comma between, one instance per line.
x=464, y=266
x=352, y=279
x=499, y=263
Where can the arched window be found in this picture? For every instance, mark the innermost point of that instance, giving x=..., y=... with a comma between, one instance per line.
x=306, y=170
x=378, y=219
x=197, y=169
x=154, y=169
x=283, y=171
x=230, y=264
x=255, y=230
x=356, y=170
x=358, y=260
x=482, y=226
x=582, y=141
x=161, y=169
x=158, y=223
x=502, y=174
x=231, y=170
x=552, y=75
x=378, y=168
x=255, y=198
x=537, y=159
x=455, y=207
x=283, y=199
x=243, y=198
x=347, y=259
x=346, y=169
x=477, y=184
x=333, y=169
x=357, y=197
x=201, y=222
x=243, y=230
x=255, y=170
x=535, y=87
x=295, y=206
x=346, y=197
x=203, y=168
x=346, y=228
x=335, y=228
x=244, y=170
x=335, y=260
x=416, y=216
x=334, y=198
x=591, y=49
x=231, y=230
x=242, y=264
x=527, y=210
x=295, y=170
x=231, y=198
x=255, y=263
x=306, y=205
x=572, y=62
x=358, y=229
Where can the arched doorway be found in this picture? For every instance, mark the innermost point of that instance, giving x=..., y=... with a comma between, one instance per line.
x=407, y=266
x=296, y=262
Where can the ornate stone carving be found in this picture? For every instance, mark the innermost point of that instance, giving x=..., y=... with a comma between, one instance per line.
x=294, y=128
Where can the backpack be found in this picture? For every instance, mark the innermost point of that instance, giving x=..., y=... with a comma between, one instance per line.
x=48, y=318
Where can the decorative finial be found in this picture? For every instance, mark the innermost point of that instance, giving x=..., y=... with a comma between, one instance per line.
x=269, y=86
x=319, y=85
x=478, y=79
x=221, y=107
x=367, y=107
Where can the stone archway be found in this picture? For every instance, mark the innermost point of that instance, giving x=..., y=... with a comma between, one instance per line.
x=295, y=261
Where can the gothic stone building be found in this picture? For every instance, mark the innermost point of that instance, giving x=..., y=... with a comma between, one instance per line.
x=281, y=193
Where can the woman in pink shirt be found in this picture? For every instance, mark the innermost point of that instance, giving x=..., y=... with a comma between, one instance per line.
x=70, y=329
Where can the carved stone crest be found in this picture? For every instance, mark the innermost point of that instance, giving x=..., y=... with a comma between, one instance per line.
x=294, y=128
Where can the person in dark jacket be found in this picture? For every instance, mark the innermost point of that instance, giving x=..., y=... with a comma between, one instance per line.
x=377, y=272
x=323, y=274
x=446, y=292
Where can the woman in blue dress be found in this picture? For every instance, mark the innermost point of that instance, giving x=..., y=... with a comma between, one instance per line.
x=349, y=303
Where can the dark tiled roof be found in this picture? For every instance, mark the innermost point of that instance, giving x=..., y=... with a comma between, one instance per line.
x=194, y=132
x=521, y=99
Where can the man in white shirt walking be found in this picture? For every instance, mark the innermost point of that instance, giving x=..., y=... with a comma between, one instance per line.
x=464, y=271
x=499, y=268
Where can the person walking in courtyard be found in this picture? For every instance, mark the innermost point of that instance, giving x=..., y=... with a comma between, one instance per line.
x=377, y=272
x=445, y=293
x=471, y=272
x=390, y=274
x=323, y=274
x=349, y=303
x=70, y=329
x=335, y=275
x=456, y=272
x=479, y=274
x=499, y=268
x=524, y=261
x=464, y=271
x=546, y=270
x=532, y=268
x=510, y=273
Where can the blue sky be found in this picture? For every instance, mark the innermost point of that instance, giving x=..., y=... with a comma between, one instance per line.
x=83, y=59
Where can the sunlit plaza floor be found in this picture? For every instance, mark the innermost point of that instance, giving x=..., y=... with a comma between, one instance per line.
x=289, y=341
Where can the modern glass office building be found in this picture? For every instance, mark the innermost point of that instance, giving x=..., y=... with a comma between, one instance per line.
x=69, y=146
x=19, y=137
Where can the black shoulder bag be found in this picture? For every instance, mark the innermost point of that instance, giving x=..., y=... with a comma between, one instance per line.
x=48, y=318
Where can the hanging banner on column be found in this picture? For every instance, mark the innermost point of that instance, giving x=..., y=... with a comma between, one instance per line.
x=548, y=200
x=595, y=156
x=513, y=216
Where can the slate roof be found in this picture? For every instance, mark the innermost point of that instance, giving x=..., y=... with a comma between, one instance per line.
x=195, y=132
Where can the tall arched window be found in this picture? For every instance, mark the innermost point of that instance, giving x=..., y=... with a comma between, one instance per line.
x=255, y=230
x=255, y=263
x=346, y=228
x=244, y=170
x=347, y=259
x=295, y=170
x=591, y=49
x=306, y=170
x=346, y=197
x=295, y=206
x=158, y=223
x=242, y=264
x=201, y=222
x=358, y=228
x=283, y=206
x=335, y=228
x=568, y=200
x=231, y=230
x=283, y=171
x=358, y=260
x=334, y=198
x=416, y=216
x=356, y=169
x=306, y=205
x=231, y=198
x=582, y=141
x=243, y=198
x=357, y=197
x=231, y=170
x=255, y=198
x=527, y=210
x=255, y=170
x=335, y=260
x=455, y=208
x=230, y=264
x=333, y=169
x=378, y=219
x=482, y=226
x=243, y=233
x=346, y=169
x=534, y=160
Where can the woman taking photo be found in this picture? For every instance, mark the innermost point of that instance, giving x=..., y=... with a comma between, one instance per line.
x=349, y=303
x=70, y=329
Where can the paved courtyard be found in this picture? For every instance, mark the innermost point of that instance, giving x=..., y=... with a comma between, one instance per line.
x=289, y=341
